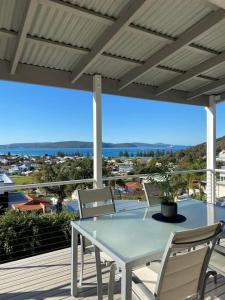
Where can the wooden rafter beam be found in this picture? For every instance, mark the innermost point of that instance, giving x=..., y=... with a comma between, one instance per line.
x=185, y=38
x=108, y=20
x=193, y=72
x=128, y=13
x=206, y=88
x=28, y=16
x=84, y=51
x=56, y=78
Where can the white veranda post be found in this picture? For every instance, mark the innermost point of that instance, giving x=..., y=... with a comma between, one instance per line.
x=211, y=149
x=97, y=130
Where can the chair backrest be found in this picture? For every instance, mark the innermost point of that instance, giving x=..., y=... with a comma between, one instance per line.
x=153, y=193
x=185, y=262
x=95, y=202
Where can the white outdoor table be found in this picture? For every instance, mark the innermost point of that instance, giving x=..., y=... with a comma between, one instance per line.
x=133, y=237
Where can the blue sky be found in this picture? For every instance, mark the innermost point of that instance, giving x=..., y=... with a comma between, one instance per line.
x=31, y=113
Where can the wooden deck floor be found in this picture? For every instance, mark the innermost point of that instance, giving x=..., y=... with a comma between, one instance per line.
x=47, y=277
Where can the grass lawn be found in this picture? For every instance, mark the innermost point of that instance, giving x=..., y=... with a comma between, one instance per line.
x=23, y=179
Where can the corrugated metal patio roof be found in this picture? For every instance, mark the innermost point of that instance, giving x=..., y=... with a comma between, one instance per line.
x=169, y=50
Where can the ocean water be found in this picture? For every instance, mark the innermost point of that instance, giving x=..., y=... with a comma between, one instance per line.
x=107, y=152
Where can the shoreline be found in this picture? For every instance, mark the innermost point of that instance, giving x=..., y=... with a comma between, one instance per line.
x=88, y=152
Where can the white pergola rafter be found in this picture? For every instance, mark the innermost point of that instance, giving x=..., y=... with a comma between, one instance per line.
x=186, y=38
x=31, y=7
x=84, y=51
x=128, y=13
x=193, y=72
x=57, y=78
x=206, y=88
x=108, y=20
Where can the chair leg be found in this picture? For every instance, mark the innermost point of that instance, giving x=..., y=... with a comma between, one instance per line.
x=214, y=274
x=208, y=274
x=215, y=278
x=99, y=273
x=81, y=260
x=111, y=281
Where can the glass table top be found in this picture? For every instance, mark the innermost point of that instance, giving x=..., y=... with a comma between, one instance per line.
x=135, y=234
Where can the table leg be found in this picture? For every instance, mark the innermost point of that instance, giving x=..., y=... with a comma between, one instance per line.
x=74, y=262
x=99, y=273
x=126, y=283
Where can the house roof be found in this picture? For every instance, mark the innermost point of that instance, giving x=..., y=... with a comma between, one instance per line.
x=134, y=185
x=170, y=50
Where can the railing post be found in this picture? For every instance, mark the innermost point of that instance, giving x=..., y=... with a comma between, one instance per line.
x=97, y=130
x=211, y=150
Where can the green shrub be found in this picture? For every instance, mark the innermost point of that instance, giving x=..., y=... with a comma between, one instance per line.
x=27, y=234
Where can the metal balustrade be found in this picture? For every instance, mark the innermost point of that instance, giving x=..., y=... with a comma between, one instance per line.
x=43, y=233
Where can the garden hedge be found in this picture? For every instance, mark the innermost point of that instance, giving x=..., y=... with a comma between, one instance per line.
x=27, y=234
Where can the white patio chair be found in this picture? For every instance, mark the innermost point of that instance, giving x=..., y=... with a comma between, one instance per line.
x=182, y=272
x=217, y=261
x=94, y=203
x=153, y=193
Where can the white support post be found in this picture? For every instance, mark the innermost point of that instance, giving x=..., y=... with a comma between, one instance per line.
x=97, y=130
x=211, y=149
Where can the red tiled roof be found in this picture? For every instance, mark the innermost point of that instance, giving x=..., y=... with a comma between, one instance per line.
x=134, y=185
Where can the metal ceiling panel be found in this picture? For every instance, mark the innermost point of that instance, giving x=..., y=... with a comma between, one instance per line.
x=67, y=27
x=218, y=90
x=186, y=58
x=217, y=71
x=110, y=68
x=156, y=77
x=110, y=8
x=134, y=46
x=172, y=17
x=192, y=84
x=7, y=48
x=47, y=56
x=11, y=14
x=214, y=38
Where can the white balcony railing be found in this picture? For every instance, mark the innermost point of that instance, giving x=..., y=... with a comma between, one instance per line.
x=90, y=180
x=33, y=239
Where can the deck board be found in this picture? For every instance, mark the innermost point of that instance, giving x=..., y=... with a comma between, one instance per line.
x=47, y=277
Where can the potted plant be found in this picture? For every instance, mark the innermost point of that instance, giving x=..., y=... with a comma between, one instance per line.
x=168, y=204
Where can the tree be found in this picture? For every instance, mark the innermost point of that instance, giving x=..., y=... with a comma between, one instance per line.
x=60, y=154
x=126, y=154
x=69, y=170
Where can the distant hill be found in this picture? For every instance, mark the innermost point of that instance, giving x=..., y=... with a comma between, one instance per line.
x=80, y=144
x=200, y=150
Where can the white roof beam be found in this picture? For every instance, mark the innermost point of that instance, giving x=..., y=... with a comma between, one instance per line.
x=51, y=77
x=108, y=20
x=84, y=51
x=186, y=38
x=193, y=72
x=129, y=12
x=207, y=88
x=32, y=4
